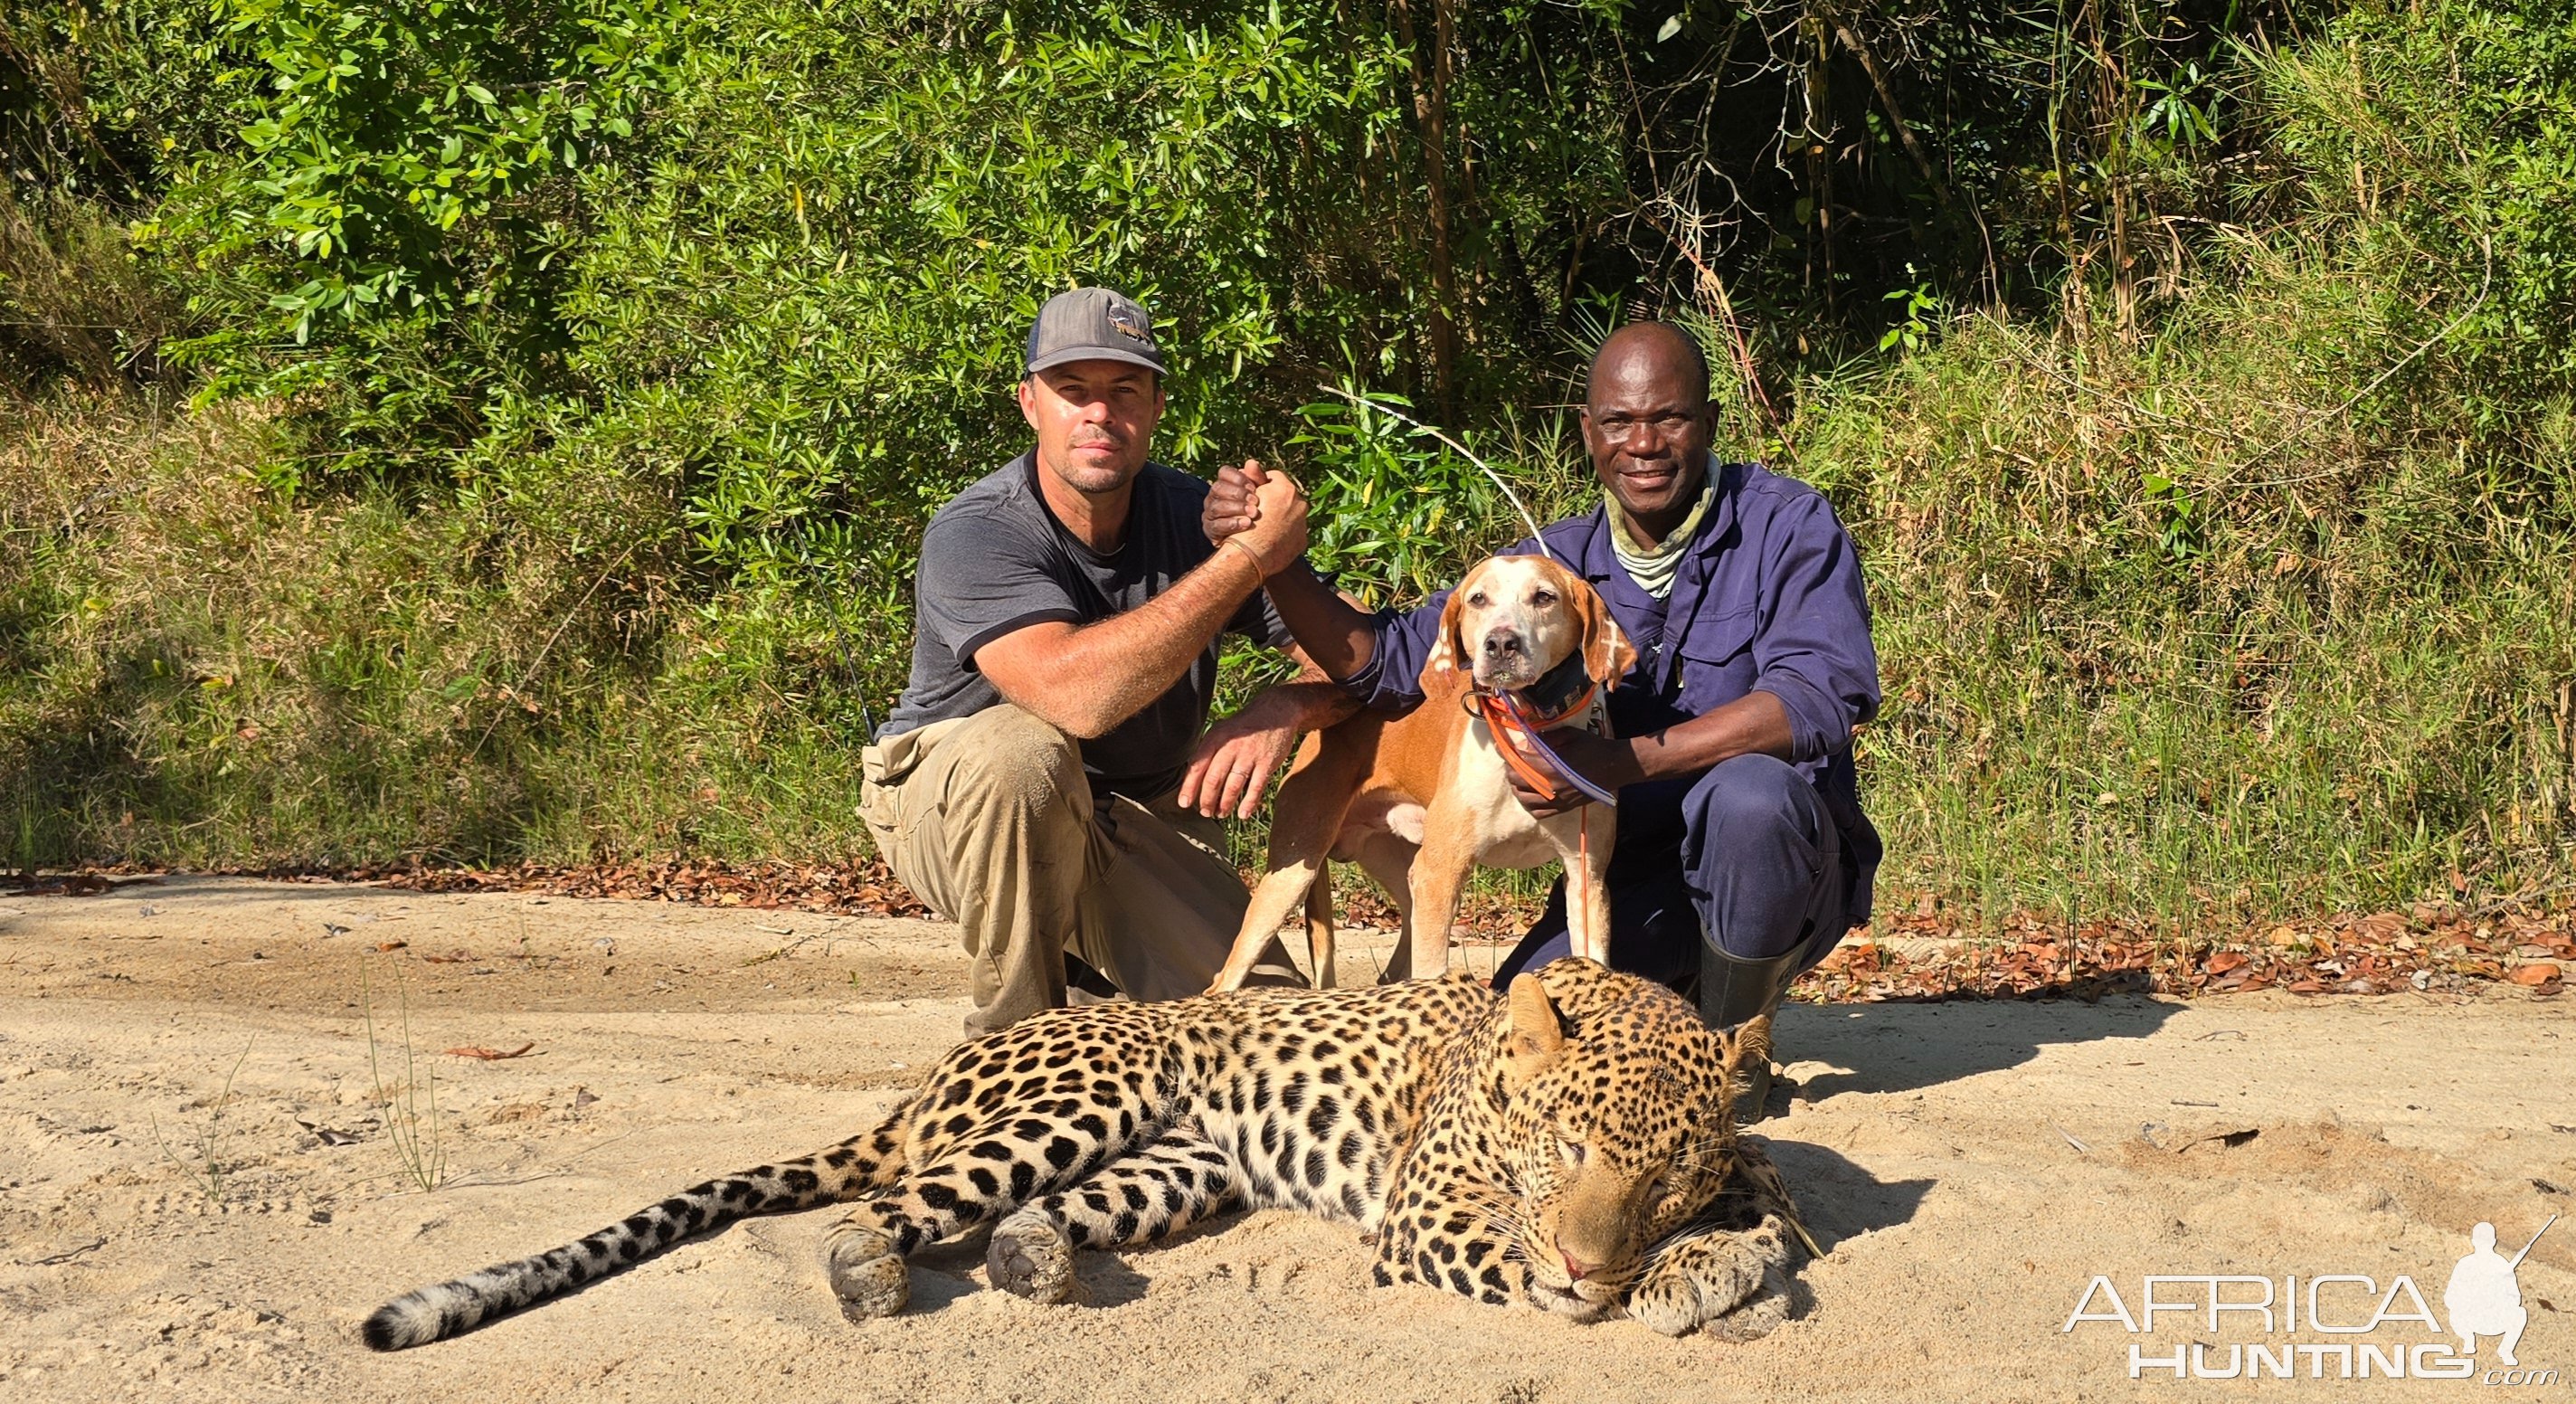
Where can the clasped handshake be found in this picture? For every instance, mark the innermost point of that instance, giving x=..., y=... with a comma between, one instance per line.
x=1263, y=508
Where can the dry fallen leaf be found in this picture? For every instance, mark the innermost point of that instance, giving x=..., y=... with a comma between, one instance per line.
x=2231, y=1138
x=328, y=1135
x=2539, y=972
x=2035, y=957
x=391, y=945
x=492, y=1054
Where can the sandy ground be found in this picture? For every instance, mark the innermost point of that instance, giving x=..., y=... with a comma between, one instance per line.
x=160, y=1238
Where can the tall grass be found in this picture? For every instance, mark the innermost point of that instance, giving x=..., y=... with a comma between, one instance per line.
x=2337, y=678
x=2267, y=606
x=2127, y=675
x=2123, y=674
x=194, y=671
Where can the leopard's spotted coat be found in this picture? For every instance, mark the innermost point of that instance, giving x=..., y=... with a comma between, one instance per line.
x=1570, y=1144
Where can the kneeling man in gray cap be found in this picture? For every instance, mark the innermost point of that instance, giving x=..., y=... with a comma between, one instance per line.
x=1044, y=781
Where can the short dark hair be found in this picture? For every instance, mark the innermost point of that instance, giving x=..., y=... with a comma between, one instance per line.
x=1689, y=344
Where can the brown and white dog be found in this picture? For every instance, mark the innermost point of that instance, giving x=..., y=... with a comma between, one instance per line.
x=1419, y=799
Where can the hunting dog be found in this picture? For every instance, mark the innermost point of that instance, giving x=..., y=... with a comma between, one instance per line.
x=1524, y=645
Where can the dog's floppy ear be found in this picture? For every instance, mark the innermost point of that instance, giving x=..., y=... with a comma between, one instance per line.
x=1448, y=651
x=1607, y=654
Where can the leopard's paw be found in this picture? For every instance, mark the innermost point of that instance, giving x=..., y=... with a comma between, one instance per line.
x=1759, y=1314
x=1031, y=1257
x=866, y=1273
x=1732, y=1285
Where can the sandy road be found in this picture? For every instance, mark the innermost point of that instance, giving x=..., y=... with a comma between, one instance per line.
x=160, y=1238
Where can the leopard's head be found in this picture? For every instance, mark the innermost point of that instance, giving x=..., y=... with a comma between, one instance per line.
x=1618, y=1124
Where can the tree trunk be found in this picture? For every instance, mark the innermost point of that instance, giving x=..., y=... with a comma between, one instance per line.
x=1431, y=116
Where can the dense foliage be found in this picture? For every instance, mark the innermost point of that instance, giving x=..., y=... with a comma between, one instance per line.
x=570, y=379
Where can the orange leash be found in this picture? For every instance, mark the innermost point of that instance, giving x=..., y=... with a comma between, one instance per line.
x=1515, y=733
x=1510, y=736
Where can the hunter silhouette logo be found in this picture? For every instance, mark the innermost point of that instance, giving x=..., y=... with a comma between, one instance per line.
x=2484, y=1298
x=2330, y=1325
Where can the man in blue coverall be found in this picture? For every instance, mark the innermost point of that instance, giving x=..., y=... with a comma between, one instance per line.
x=1743, y=854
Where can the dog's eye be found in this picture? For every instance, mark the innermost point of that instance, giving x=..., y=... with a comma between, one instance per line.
x=1543, y=599
x=1477, y=599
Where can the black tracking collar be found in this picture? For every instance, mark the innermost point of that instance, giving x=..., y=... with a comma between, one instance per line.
x=1558, y=691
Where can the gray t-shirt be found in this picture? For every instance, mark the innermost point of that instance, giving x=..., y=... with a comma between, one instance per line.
x=995, y=560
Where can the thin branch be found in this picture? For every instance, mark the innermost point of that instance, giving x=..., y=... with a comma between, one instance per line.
x=1887, y=98
x=530, y=674
x=1455, y=447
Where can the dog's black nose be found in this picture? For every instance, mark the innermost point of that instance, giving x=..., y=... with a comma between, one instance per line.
x=1501, y=644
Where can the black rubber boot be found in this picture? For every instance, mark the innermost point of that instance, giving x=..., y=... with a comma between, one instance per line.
x=1733, y=990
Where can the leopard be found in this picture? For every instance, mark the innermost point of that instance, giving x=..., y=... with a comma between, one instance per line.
x=1569, y=1143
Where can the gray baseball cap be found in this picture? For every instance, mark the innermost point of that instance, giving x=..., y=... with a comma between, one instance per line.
x=1093, y=324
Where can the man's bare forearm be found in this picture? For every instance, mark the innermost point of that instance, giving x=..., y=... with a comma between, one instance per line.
x=1307, y=704
x=1337, y=637
x=1086, y=680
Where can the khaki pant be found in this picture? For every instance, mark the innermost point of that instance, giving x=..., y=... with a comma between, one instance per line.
x=990, y=820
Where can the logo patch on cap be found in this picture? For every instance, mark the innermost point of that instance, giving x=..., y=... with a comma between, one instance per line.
x=1129, y=323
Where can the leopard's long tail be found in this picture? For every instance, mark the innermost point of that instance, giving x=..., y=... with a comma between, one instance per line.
x=865, y=1162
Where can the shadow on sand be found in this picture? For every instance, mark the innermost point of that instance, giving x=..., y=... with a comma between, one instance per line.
x=1838, y=1199
x=1902, y=1046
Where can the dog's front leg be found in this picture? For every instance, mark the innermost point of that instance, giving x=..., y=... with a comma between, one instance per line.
x=1583, y=837
x=1439, y=872
x=1389, y=859
x=1319, y=930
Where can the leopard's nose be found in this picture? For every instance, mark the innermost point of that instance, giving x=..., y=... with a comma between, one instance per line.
x=1575, y=1268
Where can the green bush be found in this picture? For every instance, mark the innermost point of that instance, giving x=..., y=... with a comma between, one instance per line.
x=573, y=381
x=2442, y=138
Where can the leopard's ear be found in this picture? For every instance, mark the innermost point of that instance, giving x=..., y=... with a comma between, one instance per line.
x=1741, y=1050
x=1533, y=1034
